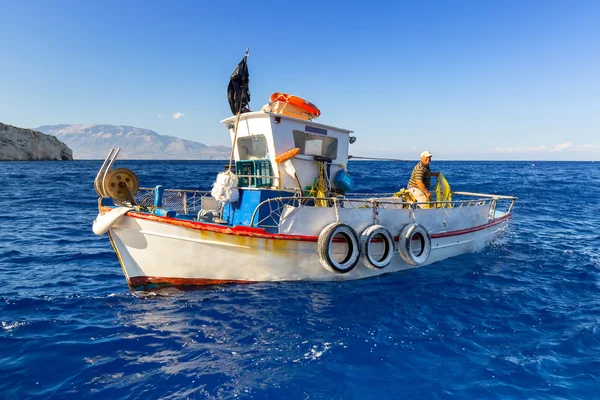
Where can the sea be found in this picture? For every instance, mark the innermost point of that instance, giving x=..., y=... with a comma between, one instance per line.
x=520, y=319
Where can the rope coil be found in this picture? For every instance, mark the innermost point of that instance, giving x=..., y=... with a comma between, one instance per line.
x=321, y=187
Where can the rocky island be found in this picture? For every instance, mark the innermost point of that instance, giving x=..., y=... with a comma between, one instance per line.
x=19, y=144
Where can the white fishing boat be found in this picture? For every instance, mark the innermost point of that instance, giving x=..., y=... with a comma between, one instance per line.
x=283, y=210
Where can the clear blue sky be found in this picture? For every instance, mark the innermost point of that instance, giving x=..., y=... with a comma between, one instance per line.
x=466, y=80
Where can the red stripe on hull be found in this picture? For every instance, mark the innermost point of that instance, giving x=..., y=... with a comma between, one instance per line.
x=262, y=233
x=160, y=281
x=228, y=230
x=474, y=229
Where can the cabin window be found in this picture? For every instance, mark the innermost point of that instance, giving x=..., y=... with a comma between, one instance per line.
x=252, y=147
x=316, y=145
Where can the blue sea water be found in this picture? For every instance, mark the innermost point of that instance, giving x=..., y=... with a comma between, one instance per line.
x=520, y=319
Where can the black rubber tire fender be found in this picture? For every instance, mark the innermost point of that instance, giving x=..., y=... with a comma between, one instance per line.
x=388, y=242
x=325, y=244
x=407, y=234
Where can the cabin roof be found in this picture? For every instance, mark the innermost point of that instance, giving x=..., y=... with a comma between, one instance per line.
x=261, y=114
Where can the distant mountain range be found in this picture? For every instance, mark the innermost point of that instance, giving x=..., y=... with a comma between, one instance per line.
x=95, y=141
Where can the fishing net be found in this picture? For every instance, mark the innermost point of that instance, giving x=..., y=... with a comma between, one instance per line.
x=405, y=195
x=443, y=193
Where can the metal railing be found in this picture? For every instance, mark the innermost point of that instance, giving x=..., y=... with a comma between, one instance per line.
x=188, y=202
x=356, y=201
x=182, y=201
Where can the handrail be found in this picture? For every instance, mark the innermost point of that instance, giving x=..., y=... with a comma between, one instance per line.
x=257, y=176
x=497, y=196
x=366, y=201
x=371, y=200
x=110, y=153
x=178, y=190
x=103, y=171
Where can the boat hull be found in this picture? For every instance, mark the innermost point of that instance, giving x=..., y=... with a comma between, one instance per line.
x=156, y=251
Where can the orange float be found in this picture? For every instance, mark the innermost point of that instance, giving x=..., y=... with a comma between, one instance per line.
x=296, y=101
x=287, y=155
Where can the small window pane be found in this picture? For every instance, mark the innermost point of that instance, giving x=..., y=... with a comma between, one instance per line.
x=252, y=147
x=316, y=145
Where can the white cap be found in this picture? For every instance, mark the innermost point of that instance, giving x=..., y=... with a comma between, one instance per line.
x=426, y=154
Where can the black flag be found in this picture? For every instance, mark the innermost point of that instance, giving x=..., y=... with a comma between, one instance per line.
x=238, y=92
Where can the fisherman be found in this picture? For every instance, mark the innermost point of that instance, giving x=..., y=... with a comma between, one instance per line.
x=419, y=183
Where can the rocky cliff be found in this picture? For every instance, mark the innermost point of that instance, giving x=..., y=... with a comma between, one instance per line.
x=95, y=141
x=18, y=144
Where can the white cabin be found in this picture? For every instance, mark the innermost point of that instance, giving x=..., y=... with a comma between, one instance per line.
x=264, y=135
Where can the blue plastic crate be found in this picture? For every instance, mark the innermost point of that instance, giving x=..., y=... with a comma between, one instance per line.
x=260, y=170
x=244, y=167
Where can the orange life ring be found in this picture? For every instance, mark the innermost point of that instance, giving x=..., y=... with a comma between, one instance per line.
x=305, y=105
x=287, y=155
